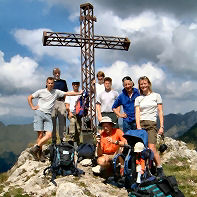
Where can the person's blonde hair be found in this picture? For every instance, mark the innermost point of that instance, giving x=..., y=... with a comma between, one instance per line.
x=100, y=74
x=149, y=82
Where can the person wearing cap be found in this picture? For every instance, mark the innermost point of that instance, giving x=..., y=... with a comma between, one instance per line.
x=105, y=101
x=59, y=109
x=108, y=144
x=127, y=99
x=75, y=121
x=42, y=118
x=148, y=105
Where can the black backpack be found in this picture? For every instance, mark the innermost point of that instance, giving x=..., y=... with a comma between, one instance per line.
x=62, y=161
x=86, y=151
x=164, y=187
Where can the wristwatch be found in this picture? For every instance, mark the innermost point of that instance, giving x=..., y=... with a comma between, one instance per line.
x=117, y=142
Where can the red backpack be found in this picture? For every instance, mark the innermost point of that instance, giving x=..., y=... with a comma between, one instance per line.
x=82, y=105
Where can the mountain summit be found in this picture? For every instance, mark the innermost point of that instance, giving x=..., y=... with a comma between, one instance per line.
x=26, y=176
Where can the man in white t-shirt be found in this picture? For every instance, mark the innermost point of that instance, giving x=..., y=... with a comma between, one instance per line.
x=99, y=86
x=42, y=118
x=105, y=101
x=75, y=121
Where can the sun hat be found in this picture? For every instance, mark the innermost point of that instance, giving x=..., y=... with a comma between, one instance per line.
x=139, y=147
x=106, y=119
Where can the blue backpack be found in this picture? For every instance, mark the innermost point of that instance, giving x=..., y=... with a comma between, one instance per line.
x=82, y=105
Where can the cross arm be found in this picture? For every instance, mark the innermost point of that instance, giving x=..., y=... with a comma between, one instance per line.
x=75, y=40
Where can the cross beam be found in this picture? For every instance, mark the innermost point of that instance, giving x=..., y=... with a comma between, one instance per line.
x=75, y=40
x=87, y=41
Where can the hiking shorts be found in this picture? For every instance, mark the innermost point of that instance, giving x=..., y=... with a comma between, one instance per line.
x=42, y=121
x=151, y=128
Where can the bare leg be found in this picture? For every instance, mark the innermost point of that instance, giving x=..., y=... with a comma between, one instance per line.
x=156, y=154
x=105, y=160
x=45, y=138
x=40, y=136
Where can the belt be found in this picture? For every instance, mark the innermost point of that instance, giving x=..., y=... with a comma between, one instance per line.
x=60, y=99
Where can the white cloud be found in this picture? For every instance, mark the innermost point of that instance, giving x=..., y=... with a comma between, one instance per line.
x=32, y=39
x=18, y=75
x=181, y=54
x=120, y=69
x=15, y=105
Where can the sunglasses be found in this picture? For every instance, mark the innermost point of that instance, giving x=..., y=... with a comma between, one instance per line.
x=142, y=78
x=126, y=78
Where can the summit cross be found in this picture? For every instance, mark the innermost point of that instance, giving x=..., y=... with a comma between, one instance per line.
x=87, y=41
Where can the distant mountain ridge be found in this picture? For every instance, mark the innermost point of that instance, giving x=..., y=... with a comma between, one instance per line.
x=177, y=124
x=13, y=140
x=190, y=136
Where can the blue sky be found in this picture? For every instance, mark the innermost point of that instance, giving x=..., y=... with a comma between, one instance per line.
x=163, y=38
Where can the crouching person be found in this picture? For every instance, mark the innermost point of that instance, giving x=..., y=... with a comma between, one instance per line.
x=42, y=118
x=108, y=145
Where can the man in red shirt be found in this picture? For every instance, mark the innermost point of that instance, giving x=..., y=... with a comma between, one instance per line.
x=108, y=144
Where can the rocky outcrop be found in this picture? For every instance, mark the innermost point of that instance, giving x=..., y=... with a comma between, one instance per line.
x=27, y=174
x=179, y=149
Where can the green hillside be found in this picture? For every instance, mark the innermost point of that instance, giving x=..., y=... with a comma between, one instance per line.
x=190, y=136
x=15, y=138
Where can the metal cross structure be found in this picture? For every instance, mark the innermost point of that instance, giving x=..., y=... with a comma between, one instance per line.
x=87, y=41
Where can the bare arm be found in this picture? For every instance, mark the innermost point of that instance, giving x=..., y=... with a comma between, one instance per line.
x=98, y=109
x=137, y=117
x=160, y=113
x=72, y=93
x=93, y=86
x=30, y=98
x=68, y=110
x=99, y=150
x=117, y=112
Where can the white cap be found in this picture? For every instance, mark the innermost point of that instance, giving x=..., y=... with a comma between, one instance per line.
x=139, y=147
x=106, y=119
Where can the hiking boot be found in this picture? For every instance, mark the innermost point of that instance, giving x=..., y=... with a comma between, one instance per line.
x=41, y=156
x=160, y=172
x=34, y=151
x=97, y=169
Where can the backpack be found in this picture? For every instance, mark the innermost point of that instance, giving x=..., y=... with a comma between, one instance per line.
x=62, y=161
x=164, y=187
x=86, y=151
x=82, y=105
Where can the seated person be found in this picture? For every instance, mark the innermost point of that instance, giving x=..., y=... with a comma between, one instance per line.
x=108, y=144
x=140, y=163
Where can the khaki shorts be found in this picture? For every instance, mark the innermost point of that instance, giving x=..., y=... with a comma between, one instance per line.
x=151, y=128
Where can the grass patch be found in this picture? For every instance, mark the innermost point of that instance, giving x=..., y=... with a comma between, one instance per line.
x=191, y=146
x=187, y=179
x=3, y=177
x=15, y=192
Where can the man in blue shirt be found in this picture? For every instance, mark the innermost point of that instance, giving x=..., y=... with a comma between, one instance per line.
x=127, y=100
x=59, y=109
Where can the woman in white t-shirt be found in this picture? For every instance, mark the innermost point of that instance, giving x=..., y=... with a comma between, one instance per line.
x=147, y=106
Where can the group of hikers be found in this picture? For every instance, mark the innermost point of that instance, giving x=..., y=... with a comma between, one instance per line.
x=141, y=107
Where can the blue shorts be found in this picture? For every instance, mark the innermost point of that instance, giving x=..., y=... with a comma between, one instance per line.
x=42, y=121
